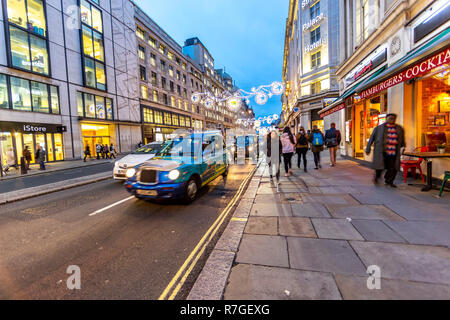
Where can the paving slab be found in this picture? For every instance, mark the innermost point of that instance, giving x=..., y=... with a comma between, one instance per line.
x=355, y=288
x=324, y=255
x=417, y=210
x=406, y=262
x=336, y=229
x=264, y=198
x=374, y=212
x=296, y=227
x=249, y=282
x=329, y=199
x=266, y=191
x=254, y=249
x=212, y=280
x=262, y=225
x=336, y=188
x=244, y=208
x=271, y=210
x=311, y=210
x=423, y=232
x=375, y=230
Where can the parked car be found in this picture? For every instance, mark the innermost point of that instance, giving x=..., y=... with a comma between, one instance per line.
x=135, y=158
x=181, y=167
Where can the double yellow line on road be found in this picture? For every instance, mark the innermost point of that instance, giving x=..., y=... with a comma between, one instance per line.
x=180, y=277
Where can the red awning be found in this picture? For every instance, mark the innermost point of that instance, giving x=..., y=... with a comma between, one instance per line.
x=332, y=110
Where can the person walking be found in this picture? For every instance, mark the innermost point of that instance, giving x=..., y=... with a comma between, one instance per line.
x=106, y=151
x=316, y=139
x=274, y=150
x=332, y=141
x=40, y=157
x=27, y=156
x=301, y=147
x=288, y=147
x=98, y=150
x=389, y=142
x=87, y=153
x=112, y=150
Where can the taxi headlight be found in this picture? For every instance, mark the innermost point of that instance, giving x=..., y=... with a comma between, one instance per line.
x=130, y=172
x=174, y=174
x=250, y=149
x=233, y=149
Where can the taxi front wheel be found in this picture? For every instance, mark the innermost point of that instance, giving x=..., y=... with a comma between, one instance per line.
x=191, y=190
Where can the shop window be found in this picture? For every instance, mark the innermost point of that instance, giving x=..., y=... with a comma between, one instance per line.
x=59, y=151
x=28, y=35
x=148, y=115
x=92, y=106
x=39, y=96
x=182, y=121
x=89, y=105
x=4, y=96
x=100, y=107
x=188, y=122
x=109, y=109
x=80, y=106
x=167, y=118
x=93, y=46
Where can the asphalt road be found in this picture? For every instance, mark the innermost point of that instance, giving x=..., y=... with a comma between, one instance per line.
x=51, y=177
x=130, y=251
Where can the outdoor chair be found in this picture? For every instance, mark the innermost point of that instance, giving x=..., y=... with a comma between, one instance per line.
x=446, y=177
x=413, y=165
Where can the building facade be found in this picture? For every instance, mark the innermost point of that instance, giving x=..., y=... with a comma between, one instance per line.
x=311, y=58
x=397, y=56
x=62, y=83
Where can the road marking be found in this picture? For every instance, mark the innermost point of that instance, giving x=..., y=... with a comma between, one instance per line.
x=179, y=278
x=110, y=206
x=239, y=219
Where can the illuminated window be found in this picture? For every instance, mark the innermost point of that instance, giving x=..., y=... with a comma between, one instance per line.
x=315, y=10
x=158, y=117
x=92, y=106
x=144, y=92
x=28, y=35
x=185, y=93
x=182, y=121
x=20, y=93
x=167, y=118
x=162, y=49
x=4, y=95
x=315, y=59
x=155, y=96
x=39, y=97
x=154, y=79
x=152, y=59
x=178, y=75
x=94, y=74
x=152, y=42
x=170, y=55
x=172, y=101
x=180, y=104
x=175, y=119
x=184, y=66
x=140, y=34
x=171, y=71
x=315, y=35
x=315, y=87
x=142, y=53
x=148, y=115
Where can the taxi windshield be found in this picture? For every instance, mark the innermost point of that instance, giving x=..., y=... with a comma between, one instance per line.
x=180, y=147
x=148, y=149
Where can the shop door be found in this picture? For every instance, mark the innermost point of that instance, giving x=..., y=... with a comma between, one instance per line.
x=59, y=153
x=6, y=145
x=28, y=141
x=50, y=153
x=359, y=131
x=40, y=141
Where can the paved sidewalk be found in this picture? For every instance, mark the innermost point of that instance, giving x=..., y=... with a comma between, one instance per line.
x=316, y=237
x=55, y=166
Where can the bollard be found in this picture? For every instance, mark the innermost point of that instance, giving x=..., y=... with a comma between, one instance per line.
x=23, y=166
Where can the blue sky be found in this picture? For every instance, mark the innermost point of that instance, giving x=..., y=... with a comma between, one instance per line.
x=245, y=36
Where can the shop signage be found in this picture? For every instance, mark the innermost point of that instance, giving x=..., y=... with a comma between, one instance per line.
x=332, y=110
x=416, y=70
x=315, y=45
x=313, y=22
x=31, y=127
x=305, y=3
x=327, y=102
x=376, y=59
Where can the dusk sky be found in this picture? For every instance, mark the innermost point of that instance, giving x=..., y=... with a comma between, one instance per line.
x=245, y=36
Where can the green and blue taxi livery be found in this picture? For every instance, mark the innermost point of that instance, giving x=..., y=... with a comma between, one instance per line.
x=180, y=168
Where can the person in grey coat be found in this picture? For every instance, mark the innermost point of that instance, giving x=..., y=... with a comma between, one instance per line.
x=389, y=141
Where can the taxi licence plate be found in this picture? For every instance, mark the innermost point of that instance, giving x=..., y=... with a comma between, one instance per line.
x=147, y=192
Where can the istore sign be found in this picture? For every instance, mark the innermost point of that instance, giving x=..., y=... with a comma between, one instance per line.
x=414, y=71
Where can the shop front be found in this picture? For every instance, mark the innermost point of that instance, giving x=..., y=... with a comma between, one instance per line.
x=16, y=136
x=159, y=125
x=94, y=133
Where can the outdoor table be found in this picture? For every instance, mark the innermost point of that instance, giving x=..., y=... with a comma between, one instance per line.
x=427, y=156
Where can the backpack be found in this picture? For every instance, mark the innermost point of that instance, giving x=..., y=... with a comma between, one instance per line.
x=317, y=139
x=302, y=141
x=331, y=138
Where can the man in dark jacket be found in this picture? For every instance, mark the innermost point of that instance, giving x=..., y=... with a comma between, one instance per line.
x=389, y=141
x=332, y=141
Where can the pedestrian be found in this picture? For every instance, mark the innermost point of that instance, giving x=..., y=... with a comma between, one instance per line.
x=87, y=152
x=389, y=143
x=106, y=151
x=98, y=150
x=27, y=157
x=288, y=146
x=113, y=151
x=308, y=133
x=332, y=141
x=40, y=157
x=316, y=139
x=274, y=154
x=302, y=147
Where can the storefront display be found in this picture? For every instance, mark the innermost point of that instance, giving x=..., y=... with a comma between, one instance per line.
x=16, y=136
x=94, y=133
x=158, y=125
